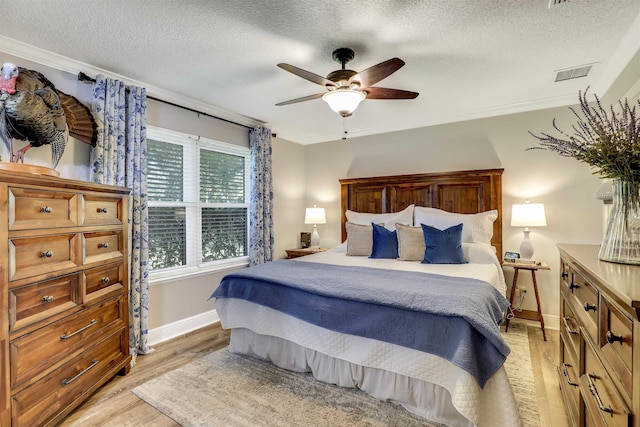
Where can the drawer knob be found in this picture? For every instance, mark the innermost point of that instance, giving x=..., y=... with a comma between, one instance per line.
x=47, y=254
x=48, y=298
x=573, y=286
x=103, y=245
x=588, y=307
x=102, y=210
x=46, y=209
x=564, y=275
x=611, y=338
x=105, y=280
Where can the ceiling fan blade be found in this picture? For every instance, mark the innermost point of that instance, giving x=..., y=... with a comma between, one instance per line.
x=304, y=98
x=385, y=93
x=307, y=75
x=373, y=75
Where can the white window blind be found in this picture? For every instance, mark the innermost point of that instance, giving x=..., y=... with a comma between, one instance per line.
x=198, y=203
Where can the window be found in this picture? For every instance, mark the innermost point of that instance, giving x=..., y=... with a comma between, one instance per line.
x=198, y=203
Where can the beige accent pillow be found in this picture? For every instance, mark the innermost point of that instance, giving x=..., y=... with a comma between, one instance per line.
x=411, y=244
x=359, y=239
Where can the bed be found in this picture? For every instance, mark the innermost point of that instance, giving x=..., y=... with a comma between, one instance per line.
x=422, y=335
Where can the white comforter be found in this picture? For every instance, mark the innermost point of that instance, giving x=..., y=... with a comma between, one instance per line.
x=326, y=352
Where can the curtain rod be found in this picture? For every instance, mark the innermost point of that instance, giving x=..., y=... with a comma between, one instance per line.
x=86, y=78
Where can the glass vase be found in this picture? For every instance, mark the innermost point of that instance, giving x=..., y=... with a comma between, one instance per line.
x=621, y=241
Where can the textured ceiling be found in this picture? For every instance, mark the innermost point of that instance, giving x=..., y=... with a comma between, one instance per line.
x=467, y=58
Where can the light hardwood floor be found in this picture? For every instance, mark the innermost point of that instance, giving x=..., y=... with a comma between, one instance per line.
x=115, y=405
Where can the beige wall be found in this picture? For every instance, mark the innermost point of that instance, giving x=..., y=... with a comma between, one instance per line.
x=565, y=186
x=178, y=299
x=288, y=195
x=169, y=301
x=307, y=175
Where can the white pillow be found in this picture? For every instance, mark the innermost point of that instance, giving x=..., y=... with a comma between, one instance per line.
x=479, y=253
x=389, y=220
x=476, y=228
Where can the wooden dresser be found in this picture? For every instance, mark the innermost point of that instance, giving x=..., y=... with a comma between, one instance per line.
x=63, y=292
x=599, y=338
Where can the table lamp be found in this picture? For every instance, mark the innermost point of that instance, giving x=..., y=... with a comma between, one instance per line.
x=315, y=216
x=527, y=215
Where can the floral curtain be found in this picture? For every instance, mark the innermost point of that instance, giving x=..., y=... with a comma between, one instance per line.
x=119, y=158
x=261, y=205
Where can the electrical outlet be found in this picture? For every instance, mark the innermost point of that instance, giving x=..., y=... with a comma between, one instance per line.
x=520, y=291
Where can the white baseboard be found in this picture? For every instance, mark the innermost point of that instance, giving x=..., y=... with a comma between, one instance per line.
x=181, y=327
x=550, y=322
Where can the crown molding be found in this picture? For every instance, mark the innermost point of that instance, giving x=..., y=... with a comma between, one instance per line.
x=63, y=63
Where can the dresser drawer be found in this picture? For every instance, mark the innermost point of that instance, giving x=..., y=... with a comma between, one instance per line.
x=568, y=378
x=102, y=281
x=33, y=256
x=601, y=399
x=616, y=342
x=585, y=304
x=102, y=246
x=101, y=210
x=31, y=209
x=36, y=302
x=38, y=404
x=47, y=348
x=569, y=327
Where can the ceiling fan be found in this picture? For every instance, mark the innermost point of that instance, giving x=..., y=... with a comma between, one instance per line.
x=347, y=88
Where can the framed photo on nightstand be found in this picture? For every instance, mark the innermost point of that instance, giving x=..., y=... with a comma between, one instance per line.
x=511, y=257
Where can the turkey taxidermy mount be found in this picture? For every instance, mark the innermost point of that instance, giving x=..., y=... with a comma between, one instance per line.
x=33, y=110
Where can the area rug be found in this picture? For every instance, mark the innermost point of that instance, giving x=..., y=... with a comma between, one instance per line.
x=224, y=389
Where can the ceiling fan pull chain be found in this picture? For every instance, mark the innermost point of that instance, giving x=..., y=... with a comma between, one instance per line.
x=344, y=129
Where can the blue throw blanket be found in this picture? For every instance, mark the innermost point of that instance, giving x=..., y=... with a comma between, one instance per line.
x=454, y=318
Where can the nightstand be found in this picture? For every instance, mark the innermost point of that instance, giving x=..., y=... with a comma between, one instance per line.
x=527, y=314
x=295, y=253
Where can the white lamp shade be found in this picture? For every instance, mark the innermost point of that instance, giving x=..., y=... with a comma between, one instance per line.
x=343, y=101
x=315, y=215
x=528, y=215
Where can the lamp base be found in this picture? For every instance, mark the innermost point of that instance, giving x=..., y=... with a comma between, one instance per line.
x=315, y=239
x=526, y=248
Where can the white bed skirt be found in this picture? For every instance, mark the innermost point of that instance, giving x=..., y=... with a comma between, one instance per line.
x=424, y=384
x=425, y=399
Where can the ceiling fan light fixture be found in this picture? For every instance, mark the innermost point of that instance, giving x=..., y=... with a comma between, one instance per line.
x=344, y=101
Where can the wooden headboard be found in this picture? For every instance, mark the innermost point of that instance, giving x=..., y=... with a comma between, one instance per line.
x=461, y=192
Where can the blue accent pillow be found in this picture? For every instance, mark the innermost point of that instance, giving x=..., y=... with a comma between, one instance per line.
x=385, y=242
x=443, y=246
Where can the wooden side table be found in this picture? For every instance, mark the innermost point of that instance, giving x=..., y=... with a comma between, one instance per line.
x=527, y=314
x=295, y=253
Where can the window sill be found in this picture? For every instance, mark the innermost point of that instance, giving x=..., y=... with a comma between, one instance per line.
x=191, y=272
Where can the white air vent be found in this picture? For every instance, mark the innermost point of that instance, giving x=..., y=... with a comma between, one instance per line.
x=573, y=73
x=553, y=3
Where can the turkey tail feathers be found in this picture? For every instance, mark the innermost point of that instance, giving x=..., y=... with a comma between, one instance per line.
x=82, y=125
x=4, y=131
